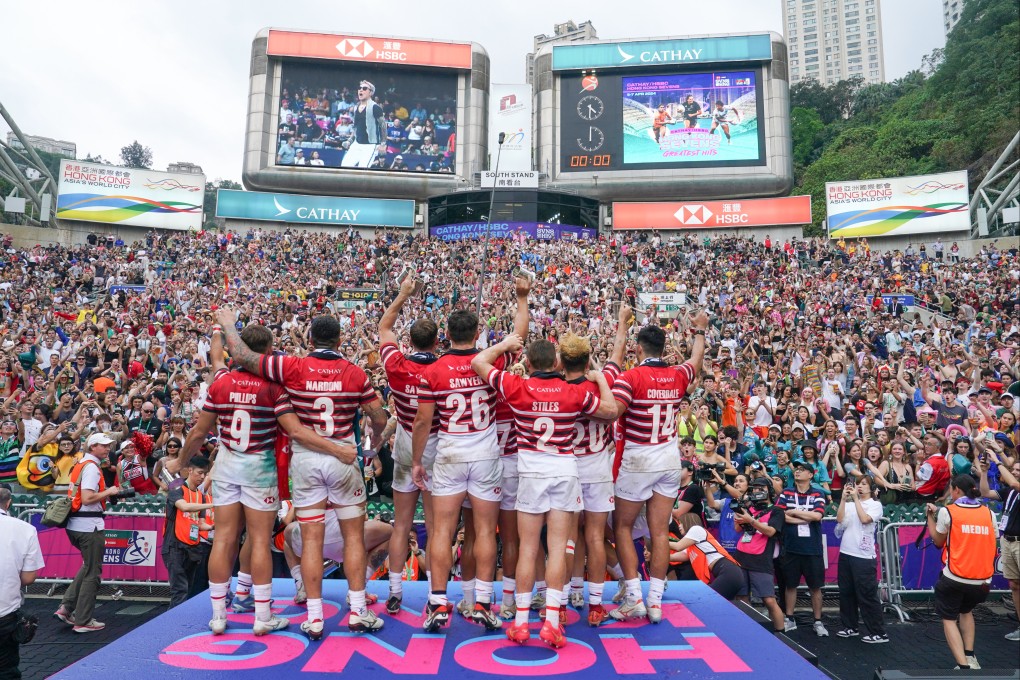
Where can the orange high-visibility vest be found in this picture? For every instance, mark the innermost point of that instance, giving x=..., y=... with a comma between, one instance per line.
x=970, y=547
x=74, y=490
x=186, y=520
x=698, y=553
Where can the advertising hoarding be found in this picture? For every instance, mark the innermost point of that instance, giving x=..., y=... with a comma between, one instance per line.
x=129, y=196
x=756, y=47
x=510, y=113
x=925, y=204
x=665, y=120
x=537, y=230
x=752, y=212
x=368, y=49
x=328, y=118
x=272, y=207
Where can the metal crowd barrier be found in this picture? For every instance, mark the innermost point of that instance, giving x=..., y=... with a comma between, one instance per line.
x=911, y=571
x=131, y=556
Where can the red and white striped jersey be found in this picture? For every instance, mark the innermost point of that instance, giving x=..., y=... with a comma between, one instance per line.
x=593, y=436
x=325, y=390
x=651, y=392
x=545, y=408
x=246, y=407
x=404, y=374
x=466, y=405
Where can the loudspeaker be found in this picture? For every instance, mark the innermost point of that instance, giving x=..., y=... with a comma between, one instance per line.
x=937, y=673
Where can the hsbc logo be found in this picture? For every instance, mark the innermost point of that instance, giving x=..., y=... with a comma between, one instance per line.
x=354, y=48
x=269, y=500
x=693, y=214
x=359, y=48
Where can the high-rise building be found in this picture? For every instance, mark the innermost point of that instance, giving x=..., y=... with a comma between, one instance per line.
x=951, y=11
x=567, y=32
x=47, y=144
x=833, y=40
x=185, y=167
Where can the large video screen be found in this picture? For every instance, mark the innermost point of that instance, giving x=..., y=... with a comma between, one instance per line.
x=365, y=116
x=671, y=120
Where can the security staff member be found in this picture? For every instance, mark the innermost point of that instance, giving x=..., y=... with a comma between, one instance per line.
x=1009, y=524
x=186, y=538
x=20, y=558
x=965, y=530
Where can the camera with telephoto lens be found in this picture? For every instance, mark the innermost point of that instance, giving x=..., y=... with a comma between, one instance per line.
x=124, y=494
x=704, y=473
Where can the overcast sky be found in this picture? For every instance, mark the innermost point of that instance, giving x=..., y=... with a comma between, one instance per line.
x=175, y=75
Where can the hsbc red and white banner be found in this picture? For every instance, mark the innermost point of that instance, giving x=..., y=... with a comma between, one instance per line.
x=368, y=49
x=751, y=212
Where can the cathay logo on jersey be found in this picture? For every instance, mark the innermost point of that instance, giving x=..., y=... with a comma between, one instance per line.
x=326, y=371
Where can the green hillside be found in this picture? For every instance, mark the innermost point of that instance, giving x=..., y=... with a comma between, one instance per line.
x=957, y=111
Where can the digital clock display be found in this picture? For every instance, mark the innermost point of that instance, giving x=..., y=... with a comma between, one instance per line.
x=658, y=118
x=603, y=160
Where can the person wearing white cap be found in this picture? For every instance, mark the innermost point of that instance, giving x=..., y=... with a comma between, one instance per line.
x=85, y=530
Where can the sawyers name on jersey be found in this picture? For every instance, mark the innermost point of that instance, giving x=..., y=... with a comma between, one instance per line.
x=466, y=405
x=325, y=390
x=545, y=408
x=651, y=393
x=404, y=374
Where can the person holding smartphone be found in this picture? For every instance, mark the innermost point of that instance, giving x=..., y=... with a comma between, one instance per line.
x=858, y=516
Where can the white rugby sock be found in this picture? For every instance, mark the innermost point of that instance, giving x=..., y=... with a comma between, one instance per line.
x=595, y=593
x=263, y=596
x=523, y=608
x=243, y=584
x=218, y=596
x=483, y=592
x=634, y=589
x=553, y=599
x=295, y=573
x=509, y=586
x=315, y=609
x=468, y=586
x=656, y=586
x=396, y=583
x=358, y=605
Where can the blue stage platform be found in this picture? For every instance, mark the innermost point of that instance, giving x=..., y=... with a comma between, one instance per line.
x=701, y=636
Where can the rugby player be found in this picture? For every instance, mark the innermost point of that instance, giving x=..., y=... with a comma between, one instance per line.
x=546, y=409
x=246, y=410
x=326, y=391
x=467, y=460
x=647, y=397
x=404, y=375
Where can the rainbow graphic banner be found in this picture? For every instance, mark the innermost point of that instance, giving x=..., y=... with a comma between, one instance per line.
x=128, y=196
x=927, y=204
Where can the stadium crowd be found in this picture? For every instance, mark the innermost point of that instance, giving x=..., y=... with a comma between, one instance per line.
x=812, y=385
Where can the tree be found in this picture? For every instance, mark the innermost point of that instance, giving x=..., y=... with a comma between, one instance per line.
x=98, y=158
x=134, y=155
x=806, y=126
x=209, y=202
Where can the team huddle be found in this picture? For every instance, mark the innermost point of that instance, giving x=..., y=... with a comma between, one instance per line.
x=530, y=444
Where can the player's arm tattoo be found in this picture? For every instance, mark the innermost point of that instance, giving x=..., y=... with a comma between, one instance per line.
x=240, y=352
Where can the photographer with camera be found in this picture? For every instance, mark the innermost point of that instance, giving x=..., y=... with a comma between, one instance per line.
x=86, y=532
x=858, y=516
x=760, y=525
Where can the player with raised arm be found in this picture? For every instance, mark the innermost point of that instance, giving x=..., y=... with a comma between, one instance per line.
x=247, y=411
x=467, y=460
x=326, y=391
x=546, y=409
x=721, y=118
x=404, y=375
x=647, y=397
x=593, y=447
